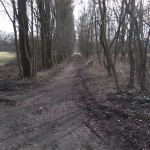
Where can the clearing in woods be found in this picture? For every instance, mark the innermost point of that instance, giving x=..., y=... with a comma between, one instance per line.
x=6, y=57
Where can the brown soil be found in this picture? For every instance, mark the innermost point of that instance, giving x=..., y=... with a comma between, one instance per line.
x=70, y=108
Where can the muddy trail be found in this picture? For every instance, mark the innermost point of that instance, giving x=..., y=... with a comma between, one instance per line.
x=48, y=117
x=63, y=114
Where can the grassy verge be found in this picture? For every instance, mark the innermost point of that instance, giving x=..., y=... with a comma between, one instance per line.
x=6, y=57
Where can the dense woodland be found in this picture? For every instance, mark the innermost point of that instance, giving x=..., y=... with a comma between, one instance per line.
x=118, y=28
x=45, y=34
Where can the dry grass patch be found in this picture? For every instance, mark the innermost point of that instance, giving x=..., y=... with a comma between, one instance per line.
x=6, y=57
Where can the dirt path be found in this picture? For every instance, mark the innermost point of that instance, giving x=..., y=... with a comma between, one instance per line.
x=48, y=118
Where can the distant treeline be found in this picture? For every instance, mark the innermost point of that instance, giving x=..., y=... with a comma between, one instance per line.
x=7, y=42
x=8, y=47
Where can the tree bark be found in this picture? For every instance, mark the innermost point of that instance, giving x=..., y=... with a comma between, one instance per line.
x=131, y=57
x=23, y=38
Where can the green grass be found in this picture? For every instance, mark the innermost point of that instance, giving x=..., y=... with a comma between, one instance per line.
x=6, y=57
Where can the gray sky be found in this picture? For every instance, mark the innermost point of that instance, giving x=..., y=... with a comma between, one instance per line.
x=6, y=25
x=78, y=7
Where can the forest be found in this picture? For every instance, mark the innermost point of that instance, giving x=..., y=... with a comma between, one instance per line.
x=69, y=84
x=40, y=28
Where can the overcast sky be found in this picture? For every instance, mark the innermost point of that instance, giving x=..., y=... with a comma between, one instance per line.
x=78, y=7
x=6, y=25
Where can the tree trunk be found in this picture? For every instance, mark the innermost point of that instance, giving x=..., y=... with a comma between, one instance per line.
x=42, y=28
x=131, y=57
x=23, y=38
